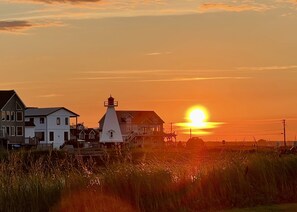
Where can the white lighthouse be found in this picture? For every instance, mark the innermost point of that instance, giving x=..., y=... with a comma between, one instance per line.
x=111, y=132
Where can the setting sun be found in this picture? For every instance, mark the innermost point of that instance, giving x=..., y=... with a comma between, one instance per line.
x=197, y=122
x=197, y=117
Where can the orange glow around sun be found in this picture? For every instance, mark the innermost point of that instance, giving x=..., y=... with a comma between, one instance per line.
x=197, y=122
x=197, y=117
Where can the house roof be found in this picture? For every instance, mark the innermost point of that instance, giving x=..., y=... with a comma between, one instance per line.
x=35, y=112
x=5, y=96
x=86, y=131
x=137, y=117
x=89, y=130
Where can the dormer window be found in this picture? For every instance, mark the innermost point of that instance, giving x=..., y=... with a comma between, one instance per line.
x=92, y=135
x=82, y=135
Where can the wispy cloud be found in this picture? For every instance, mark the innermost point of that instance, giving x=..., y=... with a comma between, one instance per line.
x=204, y=125
x=63, y=10
x=168, y=100
x=194, y=79
x=100, y=78
x=14, y=25
x=123, y=72
x=233, y=8
x=205, y=128
x=267, y=68
x=13, y=83
x=166, y=75
x=20, y=26
x=58, y=1
x=49, y=95
x=158, y=53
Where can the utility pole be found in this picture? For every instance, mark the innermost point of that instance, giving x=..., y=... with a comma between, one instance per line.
x=284, y=125
x=171, y=131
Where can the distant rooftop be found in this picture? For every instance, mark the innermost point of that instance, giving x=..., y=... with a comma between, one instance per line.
x=138, y=117
x=34, y=112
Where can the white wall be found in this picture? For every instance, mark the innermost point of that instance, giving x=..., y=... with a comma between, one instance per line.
x=29, y=133
x=50, y=125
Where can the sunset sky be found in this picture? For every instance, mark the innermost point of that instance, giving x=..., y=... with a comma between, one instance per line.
x=238, y=59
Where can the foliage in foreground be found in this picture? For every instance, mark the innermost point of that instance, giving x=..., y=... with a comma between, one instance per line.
x=257, y=179
x=60, y=182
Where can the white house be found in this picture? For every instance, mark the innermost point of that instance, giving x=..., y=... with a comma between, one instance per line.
x=52, y=125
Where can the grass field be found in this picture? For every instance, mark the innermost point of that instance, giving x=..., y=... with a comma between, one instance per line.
x=149, y=179
x=271, y=208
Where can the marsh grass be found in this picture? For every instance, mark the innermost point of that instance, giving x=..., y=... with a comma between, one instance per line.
x=238, y=180
x=151, y=180
x=34, y=181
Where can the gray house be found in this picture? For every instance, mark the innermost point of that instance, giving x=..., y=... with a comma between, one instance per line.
x=12, y=120
x=139, y=125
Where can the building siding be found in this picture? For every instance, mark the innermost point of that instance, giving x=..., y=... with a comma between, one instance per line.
x=11, y=106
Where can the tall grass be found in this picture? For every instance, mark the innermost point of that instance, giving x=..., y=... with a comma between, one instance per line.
x=35, y=182
x=245, y=180
x=155, y=180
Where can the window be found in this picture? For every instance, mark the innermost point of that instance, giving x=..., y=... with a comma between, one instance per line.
x=19, y=115
x=31, y=120
x=41, y=120
x=19, y=131
x=7, y=115
x=51, y=136
x=12, y=131
x=65, y=136
x=81, y=135
x=110, y=134
x=91, y=135
x=12, y=118
x=58, y=121
x=2, y=134
x=66, y=121
x=3, y=115
x=8, y=130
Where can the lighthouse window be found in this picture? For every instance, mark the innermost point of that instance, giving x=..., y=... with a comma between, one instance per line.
x=110, y=133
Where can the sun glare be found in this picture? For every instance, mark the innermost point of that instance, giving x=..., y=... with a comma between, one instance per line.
x=197, y=122
x=197, y=116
